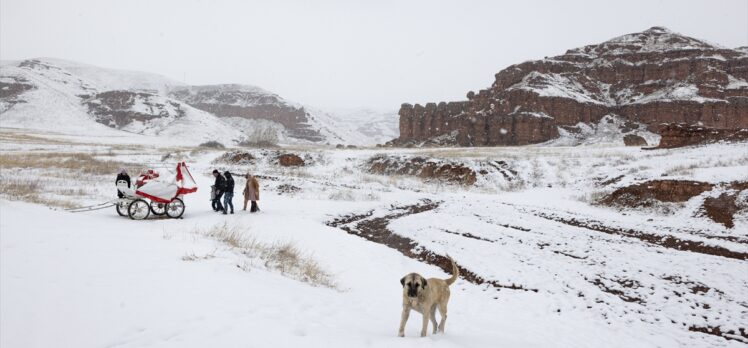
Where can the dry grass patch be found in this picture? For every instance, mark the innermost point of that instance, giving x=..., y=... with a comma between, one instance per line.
x=285, y=257
x=21, y=138
x=79, y=162
x=31, y=190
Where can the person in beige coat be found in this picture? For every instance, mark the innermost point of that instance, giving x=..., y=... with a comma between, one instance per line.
x=251, y=193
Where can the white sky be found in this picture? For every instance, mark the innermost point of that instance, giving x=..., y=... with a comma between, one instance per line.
x=345, y=53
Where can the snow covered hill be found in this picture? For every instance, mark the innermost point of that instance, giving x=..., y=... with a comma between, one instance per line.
x=356, y=126
x=69, y=97
x=42, y=95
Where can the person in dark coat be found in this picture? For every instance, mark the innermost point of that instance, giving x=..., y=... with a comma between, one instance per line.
x=219, y=185
x=228, y=193
x=122, y=177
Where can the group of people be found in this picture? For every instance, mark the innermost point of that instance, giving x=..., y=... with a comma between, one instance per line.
x=224, y=188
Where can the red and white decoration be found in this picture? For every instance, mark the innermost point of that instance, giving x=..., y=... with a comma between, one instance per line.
x=164, y=190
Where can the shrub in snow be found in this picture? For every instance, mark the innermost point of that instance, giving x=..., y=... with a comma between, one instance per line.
x=285, y=257
x=212, y=145
x=262, y=137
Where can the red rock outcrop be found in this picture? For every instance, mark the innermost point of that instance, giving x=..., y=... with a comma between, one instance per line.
x=422, y=168
x=290, y=160
x=678, y=135
x=651, y=77
x=648, y=193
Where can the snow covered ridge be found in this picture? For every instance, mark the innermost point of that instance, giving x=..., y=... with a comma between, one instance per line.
x=655, y=39
x=70, y=97
x=652, y=77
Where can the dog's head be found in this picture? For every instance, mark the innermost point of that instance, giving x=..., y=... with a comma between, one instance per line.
x=413, y=284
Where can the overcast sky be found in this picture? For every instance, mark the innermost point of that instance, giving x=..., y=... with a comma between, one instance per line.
x=343, y=53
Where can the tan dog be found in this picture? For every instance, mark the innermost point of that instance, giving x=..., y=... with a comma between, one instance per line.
x=424, y=296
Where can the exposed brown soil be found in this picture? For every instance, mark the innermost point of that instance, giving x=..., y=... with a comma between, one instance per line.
x=721, y=209
x=422, y=168
x=491, y=221
x=236, y=157
x=375, y=230
x=648, y=193
x=471, y=236
x=290, y=160
x=695, y=287
x=626, y=283
x=503, y=168
x=740, y=336
x=611, y=181
x=666, y=241
x=570, y=255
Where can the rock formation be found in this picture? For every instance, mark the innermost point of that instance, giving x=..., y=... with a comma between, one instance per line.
x=119, y=109
x=249, y=102
x=651, y=77
x=678, y=135
x=290, y=160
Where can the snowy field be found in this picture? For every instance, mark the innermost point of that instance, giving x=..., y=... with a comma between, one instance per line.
x=548, y=267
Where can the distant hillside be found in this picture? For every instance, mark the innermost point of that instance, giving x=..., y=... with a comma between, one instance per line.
x=64, y=96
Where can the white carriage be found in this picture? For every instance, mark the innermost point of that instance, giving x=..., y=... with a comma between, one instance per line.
x=157, y=194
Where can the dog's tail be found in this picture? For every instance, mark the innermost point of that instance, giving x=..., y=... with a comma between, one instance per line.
x=455, y=272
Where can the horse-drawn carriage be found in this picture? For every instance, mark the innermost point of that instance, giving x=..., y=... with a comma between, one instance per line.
x=157, y=194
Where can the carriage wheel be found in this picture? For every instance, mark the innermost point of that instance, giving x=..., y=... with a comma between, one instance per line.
x=175, y=209
x=158, y=208
x=138, y=209
x=121, y=208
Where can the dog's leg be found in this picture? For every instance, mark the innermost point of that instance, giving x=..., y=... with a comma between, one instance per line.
x=403, y=320
x=443, y=312
x=433, y=317
x=425, y=321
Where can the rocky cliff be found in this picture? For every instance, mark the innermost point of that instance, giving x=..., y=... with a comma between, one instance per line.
x=249, y=102
x=650, y=78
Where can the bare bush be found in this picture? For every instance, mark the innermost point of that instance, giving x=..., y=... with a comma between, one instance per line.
x=212, y=145
x=593, y=197
x=262, y=137
x=514, y=185
x=682, y=169
x=351, y=195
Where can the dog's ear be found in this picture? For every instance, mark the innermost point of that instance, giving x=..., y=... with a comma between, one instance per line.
x=424, y=282
x=402, y=281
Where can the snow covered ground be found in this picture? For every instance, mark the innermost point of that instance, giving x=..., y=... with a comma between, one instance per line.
x=95, y=279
